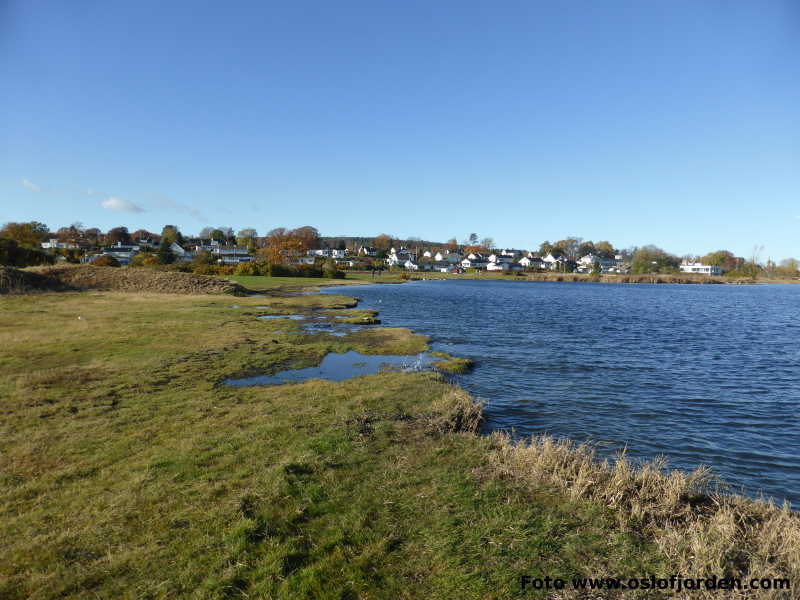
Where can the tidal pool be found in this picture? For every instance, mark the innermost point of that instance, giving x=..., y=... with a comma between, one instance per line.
x=337, y=367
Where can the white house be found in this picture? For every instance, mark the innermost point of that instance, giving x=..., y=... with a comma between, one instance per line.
x=449, y=257
x=180, y=253
x=323, y=252
x=123, y=253
x=531, y=262
x=551, y=262
x=474, y=263
x=231, y=256
x=411, y=265
x=399, y=256
x=501, y=258
x=511, y=253
x=53, y=243
x=696, y=267
x=586, y=264
x=497, y=266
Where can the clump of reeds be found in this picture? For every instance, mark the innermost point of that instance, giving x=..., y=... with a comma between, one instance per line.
x=455, y=411
x=702, y=530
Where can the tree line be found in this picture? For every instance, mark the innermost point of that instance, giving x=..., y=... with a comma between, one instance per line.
x=20, y=245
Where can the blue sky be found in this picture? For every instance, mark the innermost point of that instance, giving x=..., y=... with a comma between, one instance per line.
x=675, y=123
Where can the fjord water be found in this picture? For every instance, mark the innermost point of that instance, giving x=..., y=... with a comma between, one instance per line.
x=701, y=374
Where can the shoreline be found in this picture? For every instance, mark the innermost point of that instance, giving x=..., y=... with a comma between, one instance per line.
x=755, y=495
x=132, y=467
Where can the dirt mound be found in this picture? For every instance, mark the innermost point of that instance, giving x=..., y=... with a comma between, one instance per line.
x=17, y=281
x=88, y=277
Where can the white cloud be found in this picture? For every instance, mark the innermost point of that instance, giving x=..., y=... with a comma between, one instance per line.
x=31, y=186
x=120, y=205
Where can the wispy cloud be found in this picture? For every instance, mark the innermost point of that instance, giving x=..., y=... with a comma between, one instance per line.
x=185, y=208
x=31, y=186
x=120, y=205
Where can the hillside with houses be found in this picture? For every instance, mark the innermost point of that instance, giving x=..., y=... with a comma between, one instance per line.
x=298, y=251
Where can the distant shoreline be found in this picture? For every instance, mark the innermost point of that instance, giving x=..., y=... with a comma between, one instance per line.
x=587, y=278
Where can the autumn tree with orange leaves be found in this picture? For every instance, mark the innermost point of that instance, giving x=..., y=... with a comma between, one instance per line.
x=283, y=245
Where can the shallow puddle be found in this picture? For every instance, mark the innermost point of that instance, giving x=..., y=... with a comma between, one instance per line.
x=292, y=317
x=337, y=367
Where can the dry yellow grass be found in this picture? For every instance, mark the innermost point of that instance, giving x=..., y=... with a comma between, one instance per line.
x=702, y=530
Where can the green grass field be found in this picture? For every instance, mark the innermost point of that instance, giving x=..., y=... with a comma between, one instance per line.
x=130, y=471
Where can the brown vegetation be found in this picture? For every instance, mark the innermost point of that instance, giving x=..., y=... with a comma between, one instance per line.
x=633, y=278
x=17, y=281
x=87, y=277
x=699, y=528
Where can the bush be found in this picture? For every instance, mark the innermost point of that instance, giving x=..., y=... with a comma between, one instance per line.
x=14, y=255
x=248, y=268
x=144, y=259
x=204, y=269
x=104, y=260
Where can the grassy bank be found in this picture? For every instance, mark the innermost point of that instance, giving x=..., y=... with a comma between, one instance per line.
x=290, y=284
x=127, y=470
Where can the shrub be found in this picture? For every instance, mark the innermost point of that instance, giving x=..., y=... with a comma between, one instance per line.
x=203, y=269
x=144, y=259
x=248, y=268
x=104, y=260
x=14, y=255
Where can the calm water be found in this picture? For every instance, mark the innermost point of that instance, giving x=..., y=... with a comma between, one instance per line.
x=337, y=367
x=700, y=374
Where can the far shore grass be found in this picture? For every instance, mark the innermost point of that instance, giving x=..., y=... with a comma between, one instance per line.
x=294, y=284
x=129, y=470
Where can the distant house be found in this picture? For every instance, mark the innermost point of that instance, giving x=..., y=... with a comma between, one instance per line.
x=497, y=266
x=506, y=259
x=529, y=262
x=448, y=257
x=586, y=264
x=696, y=267
x=53, y=243
x=231, y=255
x=411, y=265
x=551, y=262
x=122, y=253
x=328, y=252
x=367, y=251
x=474, y=263
x=398, y=256
x=181, y=254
